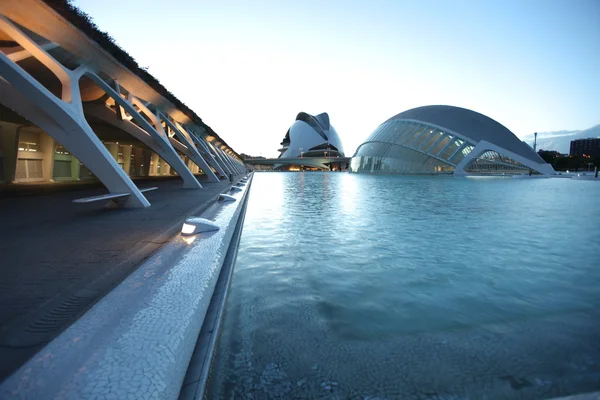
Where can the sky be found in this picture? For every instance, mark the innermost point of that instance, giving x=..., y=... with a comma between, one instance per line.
x=248, y=67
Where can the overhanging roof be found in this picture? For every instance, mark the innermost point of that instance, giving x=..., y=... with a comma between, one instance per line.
x=62, y=23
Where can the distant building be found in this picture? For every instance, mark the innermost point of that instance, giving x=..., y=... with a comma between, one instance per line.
x=249, y=157
x=585, y=147
x=445, y=140
x=550, y=154
x=309, y=139
x=311, y=136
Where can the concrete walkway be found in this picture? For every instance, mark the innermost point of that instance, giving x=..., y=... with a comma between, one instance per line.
x=59, y=258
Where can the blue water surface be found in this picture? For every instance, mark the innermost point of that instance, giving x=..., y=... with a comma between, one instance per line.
x=360, y=286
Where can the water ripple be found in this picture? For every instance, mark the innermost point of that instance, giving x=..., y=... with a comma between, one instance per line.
x=413, y=287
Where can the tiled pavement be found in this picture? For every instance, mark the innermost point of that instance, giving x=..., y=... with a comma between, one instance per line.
x=58, y=258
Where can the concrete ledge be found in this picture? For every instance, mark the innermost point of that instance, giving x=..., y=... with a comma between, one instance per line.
x=197, y=374
x=138, y=340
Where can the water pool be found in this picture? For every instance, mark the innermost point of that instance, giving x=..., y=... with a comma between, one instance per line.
x=359, y=286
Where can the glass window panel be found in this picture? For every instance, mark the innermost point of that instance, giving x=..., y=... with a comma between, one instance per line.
x=415, y=135
x=433, y=139
x=375, y=134
x=403, y=128
x=380, y=157
x=458, y=157
x=389, y=132
x=440, y=145
x=408, y=134
x=404, y=131
x=451, y=149
x=492, y=162
x=423, y=138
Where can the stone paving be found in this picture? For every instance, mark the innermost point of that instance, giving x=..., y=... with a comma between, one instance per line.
x=58, y=258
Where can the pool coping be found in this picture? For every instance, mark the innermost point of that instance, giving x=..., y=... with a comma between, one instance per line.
x=197, y=375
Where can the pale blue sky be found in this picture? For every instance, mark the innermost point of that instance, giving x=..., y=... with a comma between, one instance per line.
x=248, y=67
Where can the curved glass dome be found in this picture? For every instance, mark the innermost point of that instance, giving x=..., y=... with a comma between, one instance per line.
x=444, y=140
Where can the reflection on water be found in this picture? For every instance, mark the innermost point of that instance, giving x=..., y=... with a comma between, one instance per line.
x=356, y=286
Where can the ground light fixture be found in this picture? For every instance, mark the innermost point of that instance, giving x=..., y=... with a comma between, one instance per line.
x=226, y=197
x=236, y=189
x=194, y=225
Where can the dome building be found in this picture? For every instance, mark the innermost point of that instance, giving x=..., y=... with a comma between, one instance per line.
x=445, y=140
x=311, y=136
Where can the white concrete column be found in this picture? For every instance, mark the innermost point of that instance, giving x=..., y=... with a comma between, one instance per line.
x=126, y=158
x=138, y=160
x=210, y=158
x=75, y=168
x=145, y=166
x=47, y=148
x=60, y=116
x=236, y=164
x=113, y=149
x=185, y=145
x=165, y=168
x=230, y=161
x=153, y=169
x=151, y=134
x=223, y=159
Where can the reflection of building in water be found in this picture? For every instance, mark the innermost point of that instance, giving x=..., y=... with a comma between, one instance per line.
x=445, y=140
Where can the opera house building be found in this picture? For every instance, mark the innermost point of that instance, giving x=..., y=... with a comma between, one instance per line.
x=445, y=140
x=313, y=143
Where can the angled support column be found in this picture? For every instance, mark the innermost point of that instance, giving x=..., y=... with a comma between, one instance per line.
x=209, y=156
x=226, y=158
x=220, y=157
x=236, y=163
x=188, y=148
x=169, y=154
x=62, y=118
x=147, y=134
x=240, y=166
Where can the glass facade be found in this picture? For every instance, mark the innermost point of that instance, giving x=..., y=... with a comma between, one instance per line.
x=492, y=162
x=386, y=158
x=406, y=147
x=409, y=147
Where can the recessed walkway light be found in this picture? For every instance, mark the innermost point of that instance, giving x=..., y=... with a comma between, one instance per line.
x=226, y=197
x=195, y=225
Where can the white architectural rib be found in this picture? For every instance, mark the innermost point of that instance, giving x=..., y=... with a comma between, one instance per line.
x=61, y=118
x=24, y=54
x=484, y=146
x=212, y=160
x=158, y=142
x=190, y=149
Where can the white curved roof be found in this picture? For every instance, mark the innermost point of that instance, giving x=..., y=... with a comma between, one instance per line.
x=309, y=132
x=472, y=125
